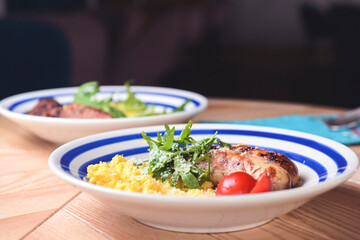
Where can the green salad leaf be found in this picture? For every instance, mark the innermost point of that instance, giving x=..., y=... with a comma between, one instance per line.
x=86, y=95
x=182, y=106
x=175, y=158
x=132, y=103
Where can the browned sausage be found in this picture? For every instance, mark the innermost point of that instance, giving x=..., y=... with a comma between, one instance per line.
x=254, y=161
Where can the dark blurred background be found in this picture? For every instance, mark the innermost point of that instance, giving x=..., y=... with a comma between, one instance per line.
x=298, y=51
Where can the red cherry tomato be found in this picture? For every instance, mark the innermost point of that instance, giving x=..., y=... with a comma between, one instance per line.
x=235, y=183
x=241, y=183
x=263, y=184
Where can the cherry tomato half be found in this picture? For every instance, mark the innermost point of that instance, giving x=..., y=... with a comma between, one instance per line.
x=242, y=183
x=263, y=184
x=235, y=183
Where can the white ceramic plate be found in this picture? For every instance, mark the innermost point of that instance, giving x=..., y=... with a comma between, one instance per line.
x=323, y=164
x=61, y=130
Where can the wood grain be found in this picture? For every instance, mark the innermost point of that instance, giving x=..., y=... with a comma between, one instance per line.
x=64, y=225
x=18, y=226
x=88, y=210
x=331, y=221
x=36, y=204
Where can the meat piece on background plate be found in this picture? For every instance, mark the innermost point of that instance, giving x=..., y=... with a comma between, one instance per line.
x=47, y=107
x=76, y=110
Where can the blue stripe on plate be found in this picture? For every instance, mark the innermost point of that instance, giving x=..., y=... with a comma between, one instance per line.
x=14, y=105
x=335, y=156
x=314, y=165
x=73, y=153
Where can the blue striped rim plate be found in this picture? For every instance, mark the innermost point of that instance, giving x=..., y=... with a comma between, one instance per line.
x=323, y=164
x=62, y=130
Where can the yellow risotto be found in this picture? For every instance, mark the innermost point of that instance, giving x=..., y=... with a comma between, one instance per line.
x=123, y=175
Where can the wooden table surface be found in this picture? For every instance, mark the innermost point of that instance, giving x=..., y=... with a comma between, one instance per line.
x=36, y=204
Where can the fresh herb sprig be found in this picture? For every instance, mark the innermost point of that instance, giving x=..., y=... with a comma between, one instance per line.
x=86, y=95
x=182, y=106
x=132, y=103
x=175, y=158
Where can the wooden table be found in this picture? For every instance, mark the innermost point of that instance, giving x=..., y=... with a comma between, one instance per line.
x=36, y=204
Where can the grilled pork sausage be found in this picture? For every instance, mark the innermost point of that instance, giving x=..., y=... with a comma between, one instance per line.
x=254, y=161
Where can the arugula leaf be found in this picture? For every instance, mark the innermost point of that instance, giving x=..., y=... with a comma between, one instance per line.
x=174, y=178
x=175, y=158
x=190, y=180
x=168, y=138
x=182, y=106
x=165, y=175
x=86, y=95
x=132, y=103
x=159, y=137
x=222, y=144
x=185, y=133
x=148, y=139
x=139, y=162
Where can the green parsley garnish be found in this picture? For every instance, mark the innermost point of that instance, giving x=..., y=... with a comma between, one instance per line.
x=175, y=158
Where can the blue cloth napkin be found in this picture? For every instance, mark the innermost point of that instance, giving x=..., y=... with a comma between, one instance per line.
x=305, y=123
